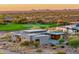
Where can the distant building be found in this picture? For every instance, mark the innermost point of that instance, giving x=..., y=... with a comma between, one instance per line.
x=8, y=18
x=74, y=29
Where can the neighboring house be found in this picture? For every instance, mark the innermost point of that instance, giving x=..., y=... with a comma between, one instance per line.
x=73, y=29
x=8, y=18
x=40, y=35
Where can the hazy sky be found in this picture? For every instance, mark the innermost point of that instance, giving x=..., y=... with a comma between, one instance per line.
x=22, y=7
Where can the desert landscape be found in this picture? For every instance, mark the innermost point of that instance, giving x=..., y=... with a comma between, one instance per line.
x=39, y=31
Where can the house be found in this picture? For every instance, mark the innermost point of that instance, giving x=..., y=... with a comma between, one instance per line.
x=30, y=35
x=8, y=18
x=42, y=36
x=73, y=29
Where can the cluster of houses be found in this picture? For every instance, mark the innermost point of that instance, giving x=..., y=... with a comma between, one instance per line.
x=43, y=36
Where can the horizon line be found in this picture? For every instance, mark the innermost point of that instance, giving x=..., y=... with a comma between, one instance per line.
x=43, y=9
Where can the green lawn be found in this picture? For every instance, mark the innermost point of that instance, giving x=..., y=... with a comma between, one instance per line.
x=13, y=27
x=44, y=25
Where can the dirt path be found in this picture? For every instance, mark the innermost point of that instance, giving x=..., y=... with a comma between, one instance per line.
x=3, y=51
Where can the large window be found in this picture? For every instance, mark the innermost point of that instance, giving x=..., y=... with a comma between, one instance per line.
x=55, y=37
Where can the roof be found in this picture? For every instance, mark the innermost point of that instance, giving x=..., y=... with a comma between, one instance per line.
x=32, y=34
x=17, y=34
x=40, y=35
x=76, y=28
x=36, y=30
x=73, y=27
x=56, y=33
x=77, y=25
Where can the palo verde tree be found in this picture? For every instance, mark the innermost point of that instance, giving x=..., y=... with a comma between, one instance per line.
x=74, y=42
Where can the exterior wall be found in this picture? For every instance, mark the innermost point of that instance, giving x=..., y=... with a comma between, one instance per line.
x=43, y=39
x=55, y=42
x=70, y=31
x=26, y=37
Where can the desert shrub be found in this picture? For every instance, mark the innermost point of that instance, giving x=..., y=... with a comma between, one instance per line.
x=55, y=47
x=61, y=52
x=61, y=41
x=14, y=41
x=36, y=44
x=6, y=38
x=14, y=49
x=10, y=40
x=31, y=42
x=74, y=43
x=62, y=46
x=2, y=52
x=39, y=50
x=25, y=43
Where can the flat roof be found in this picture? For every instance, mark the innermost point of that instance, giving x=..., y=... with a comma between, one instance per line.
x=32, y=34
x=56, y=33
x=75, y=28
x=41, y=35
x=36, y=30
x=17, y=34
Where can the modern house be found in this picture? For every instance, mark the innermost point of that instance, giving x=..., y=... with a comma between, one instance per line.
x=40, y=35
x=31, y=35
x=73, y=29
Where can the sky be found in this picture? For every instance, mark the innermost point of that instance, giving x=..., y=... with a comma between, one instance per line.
x=24, y=7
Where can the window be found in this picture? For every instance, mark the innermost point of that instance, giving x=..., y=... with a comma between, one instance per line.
x=37, y=40
x=56, y=37
x=77, y=30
